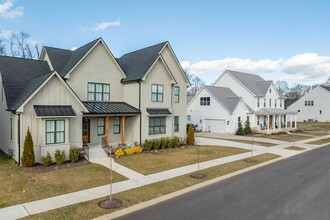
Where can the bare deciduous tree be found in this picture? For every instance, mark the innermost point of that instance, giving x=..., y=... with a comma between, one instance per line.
x=2, y=48
x=282, y=86
x=196, y=84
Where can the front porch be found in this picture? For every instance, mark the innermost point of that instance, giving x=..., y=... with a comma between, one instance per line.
x=271, y=120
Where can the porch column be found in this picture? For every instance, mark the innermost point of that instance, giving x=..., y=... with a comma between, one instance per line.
x=106, y=131
x=286, y=121
x=267, y=123
x=290, y=121
x=279, y=122
x=123, y=129
x=274, y=122
x=295, y=121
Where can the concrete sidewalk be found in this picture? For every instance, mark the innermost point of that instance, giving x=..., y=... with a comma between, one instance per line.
x=137, y=180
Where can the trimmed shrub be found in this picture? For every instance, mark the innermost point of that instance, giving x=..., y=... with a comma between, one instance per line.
x=129, y=151
x=176, y=141
x=59, y=157
x=46, y=161
x=147, y=145
x=28, y=158
x=156, y=144
x=163, y=142
x=190, y=136
x=240, y=130
x=74, y=154
x=247, y=128
x=279, y=133
x=170, y=143
x=119, y=152
x=137, y=149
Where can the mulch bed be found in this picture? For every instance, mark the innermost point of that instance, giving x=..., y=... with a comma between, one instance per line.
x=198, y=176
x=115, y=203
x=39, y=168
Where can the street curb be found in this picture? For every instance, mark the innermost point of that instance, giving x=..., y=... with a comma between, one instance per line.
x=143, y=205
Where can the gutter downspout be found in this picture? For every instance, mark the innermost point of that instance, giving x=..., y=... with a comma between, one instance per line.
x=19, y=138
x=140, y=112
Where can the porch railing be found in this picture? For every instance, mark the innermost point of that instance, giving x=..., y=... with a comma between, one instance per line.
x=86, y=149
x=105, y=147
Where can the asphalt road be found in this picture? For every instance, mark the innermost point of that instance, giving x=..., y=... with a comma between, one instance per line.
x=294, y=188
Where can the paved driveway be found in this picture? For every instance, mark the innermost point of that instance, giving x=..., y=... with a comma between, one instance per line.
x=295, y=188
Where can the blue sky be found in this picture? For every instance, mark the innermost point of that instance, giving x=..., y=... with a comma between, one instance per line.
x=280, y=40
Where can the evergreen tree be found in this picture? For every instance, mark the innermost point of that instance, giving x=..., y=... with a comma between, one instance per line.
x=247, y=128
x=190, y=136
x=240, y=130
x=28, y=158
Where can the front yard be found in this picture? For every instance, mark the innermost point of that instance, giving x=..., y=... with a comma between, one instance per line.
x=259, y=143
x=16, y=189
x=90, y=209
x=314, y=126
x=320, y=142
x=284, y=137
x=148, y=163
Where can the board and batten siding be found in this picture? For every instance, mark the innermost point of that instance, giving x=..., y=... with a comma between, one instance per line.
x=97, y=67
x=53, y=93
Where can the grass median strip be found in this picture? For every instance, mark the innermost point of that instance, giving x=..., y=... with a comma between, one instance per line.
x=259, y=143
x=16, y=189
x=284, y=137
x=148, y=163
x=320, y=142
x=90, y=209
x=295, y=148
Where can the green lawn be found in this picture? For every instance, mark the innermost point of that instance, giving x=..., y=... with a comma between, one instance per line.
x=314, y=126
x=284, y=137
x=259, y=143
x=295, y=148
x=148, y=163
x=318, y=134
x=90, y=209
x=14, y=181
x=320, y=142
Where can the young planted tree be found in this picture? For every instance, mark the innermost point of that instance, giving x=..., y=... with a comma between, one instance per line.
x=190, y=136
x=240, y=130
x=28, y=158
x=247, y=128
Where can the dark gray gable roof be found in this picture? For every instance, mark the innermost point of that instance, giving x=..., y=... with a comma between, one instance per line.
x=158, y=111
x=58, y=57
x=21, y=77
x=326, y=87
x=110, y=108
x=225, y=95
x=136, y=64
x=253, y=82
x=68, y=62
x=54, y=110
x=189, y=98
x=289, y=102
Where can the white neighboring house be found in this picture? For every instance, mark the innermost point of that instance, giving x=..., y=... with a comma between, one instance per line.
x=313, y=106
x=260, y=103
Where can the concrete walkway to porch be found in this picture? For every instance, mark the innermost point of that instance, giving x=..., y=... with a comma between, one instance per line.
x=137, y=180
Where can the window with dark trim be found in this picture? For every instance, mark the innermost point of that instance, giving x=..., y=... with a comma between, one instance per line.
x=239, y=119
x=258, y=104
x=205, y=101
x=176, y=94
x=264, y=102
x=116, y=125
x=188, y=117
x=270, y=103
x=258, y=121
x=280, y=103
x=157, y=93
x=320, y=112
x=176, y=123
x=100, y=126
x=55, y=131
x=98, y=92
x=157, y=125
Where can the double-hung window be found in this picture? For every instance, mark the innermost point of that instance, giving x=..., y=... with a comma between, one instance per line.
x=157, y=125
x=176, y=94
x=116, y=125
x=188, y=117
x=205, y=101
x=270, y=103
x=98, y=92
x=100, y=126
x=157, y=93
x=258, y=104
x=55, y=131
x=176, y=123
x=264, y=102
x=275, y=103
x=280, y=103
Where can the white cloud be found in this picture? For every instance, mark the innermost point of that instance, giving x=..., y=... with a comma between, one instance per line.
x=306, y=67
x=6, y=33
x=7, y=10
x=105, y=25
x=74, y=48
x=32, y=42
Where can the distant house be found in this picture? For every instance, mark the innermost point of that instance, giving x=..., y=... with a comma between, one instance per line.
x=87, y=95
x=314, y=106
x=236, y=97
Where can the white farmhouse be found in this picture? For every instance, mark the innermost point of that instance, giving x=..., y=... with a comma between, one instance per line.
x=237, y=96
x=313, y=106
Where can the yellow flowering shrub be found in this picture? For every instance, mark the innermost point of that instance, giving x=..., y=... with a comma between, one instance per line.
x=129, y=151
x=137, y=149
x=119, y=152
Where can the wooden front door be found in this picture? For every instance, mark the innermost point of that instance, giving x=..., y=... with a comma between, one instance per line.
x=270, y=121
x=85, y=130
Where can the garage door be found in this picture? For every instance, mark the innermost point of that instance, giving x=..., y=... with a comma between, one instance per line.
x=215, y=125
